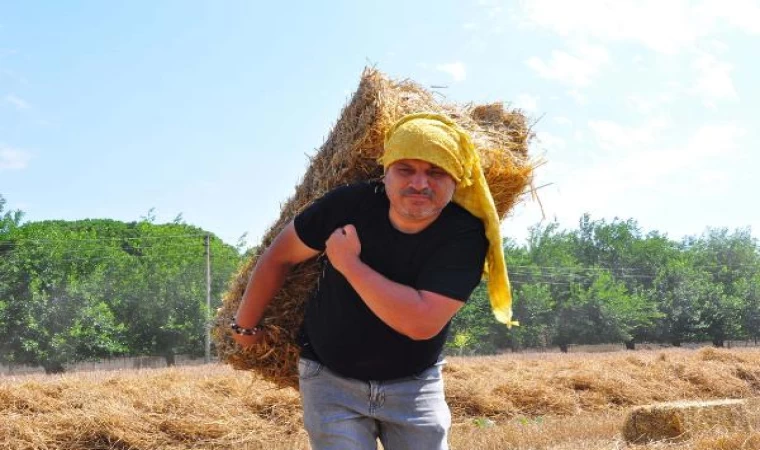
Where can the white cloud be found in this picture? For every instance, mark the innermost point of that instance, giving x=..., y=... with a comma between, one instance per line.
x=705, y=144
x=641, y=104
x=576, y=69
x=637, y=172
x=18, y=102
x=647, y=104
x=716, y=46
x=7, y=51
x=742, y=14
x=562, y=120
x=494, y=12
x=713, y=81
x=549, y=142
x=663, y=26
x=457, y=70
x=612, y=136
x=14, y=76
x=579, y=97
x=713, y=177
x=13, y=159
x=526, y=102
x=491, y=7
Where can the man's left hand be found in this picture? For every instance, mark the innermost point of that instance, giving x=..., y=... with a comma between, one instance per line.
x=343, y=247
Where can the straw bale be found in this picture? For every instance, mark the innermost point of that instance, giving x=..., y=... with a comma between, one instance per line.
x=348, y=155
x=676, y=421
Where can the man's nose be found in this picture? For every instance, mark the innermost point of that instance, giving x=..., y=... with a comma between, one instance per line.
x=420, y=181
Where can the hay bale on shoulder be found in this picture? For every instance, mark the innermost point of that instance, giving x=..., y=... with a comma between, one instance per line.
x=676, y=421
x=349, y=155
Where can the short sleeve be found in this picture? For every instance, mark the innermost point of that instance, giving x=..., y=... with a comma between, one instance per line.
x=315, y=224
x=455, y=269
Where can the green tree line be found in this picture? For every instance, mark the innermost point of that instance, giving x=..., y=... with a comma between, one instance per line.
x=83, y=290
x=608, y=282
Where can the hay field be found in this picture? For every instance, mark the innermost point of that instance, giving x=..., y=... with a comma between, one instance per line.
x=524, y=401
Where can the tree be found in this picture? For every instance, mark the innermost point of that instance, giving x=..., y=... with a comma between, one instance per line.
x=9, y=220
x=542, y=287
x=474, y=329
x=92, y=288
x=12, y=293
x=607, y=282
x=681, y=290
x=534, y=305
x=749, y=290
x=732, y=262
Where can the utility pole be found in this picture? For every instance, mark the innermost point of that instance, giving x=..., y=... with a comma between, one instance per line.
x=208, y=299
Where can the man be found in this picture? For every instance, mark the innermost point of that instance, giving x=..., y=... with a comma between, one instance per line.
x=401, y=260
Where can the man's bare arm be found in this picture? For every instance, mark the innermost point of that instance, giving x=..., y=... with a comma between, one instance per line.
x=268, y=277
x=414, y=313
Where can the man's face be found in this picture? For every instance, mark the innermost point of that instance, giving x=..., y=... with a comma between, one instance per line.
x=417, y=190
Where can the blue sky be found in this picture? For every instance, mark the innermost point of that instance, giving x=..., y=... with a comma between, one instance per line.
x=645, y=109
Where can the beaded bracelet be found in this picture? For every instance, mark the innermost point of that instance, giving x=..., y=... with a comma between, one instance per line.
x=237, y=329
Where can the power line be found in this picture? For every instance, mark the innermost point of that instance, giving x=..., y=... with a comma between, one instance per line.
x=520, y=270
x=36, y=240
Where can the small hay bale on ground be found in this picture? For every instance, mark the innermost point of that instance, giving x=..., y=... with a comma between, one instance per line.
x=349, y=155
x=677, y=421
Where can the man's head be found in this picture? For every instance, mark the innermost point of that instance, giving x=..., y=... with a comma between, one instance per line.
x=418, y=190
x=425, y=158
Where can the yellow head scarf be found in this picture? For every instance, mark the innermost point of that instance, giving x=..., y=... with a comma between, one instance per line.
x=438, y=140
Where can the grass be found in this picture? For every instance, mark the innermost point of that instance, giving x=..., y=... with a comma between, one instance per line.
x=545, y=401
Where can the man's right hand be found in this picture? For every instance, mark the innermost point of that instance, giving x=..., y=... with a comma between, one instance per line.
x=267, y=278
x=246, y=341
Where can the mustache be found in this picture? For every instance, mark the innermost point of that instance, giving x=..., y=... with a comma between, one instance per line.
x=427, y=192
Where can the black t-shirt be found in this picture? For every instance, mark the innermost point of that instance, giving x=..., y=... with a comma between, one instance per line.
x=339, y=330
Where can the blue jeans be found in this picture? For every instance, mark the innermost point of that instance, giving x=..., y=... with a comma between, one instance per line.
x=347, y=414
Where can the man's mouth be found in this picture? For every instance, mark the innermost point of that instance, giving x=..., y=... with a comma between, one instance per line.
x=413, y=194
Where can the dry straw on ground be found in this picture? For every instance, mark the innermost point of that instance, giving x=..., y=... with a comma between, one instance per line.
x=520, y=402
x=348, y=155
x=681, y=420
x=539, y=384
x=206, y=407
